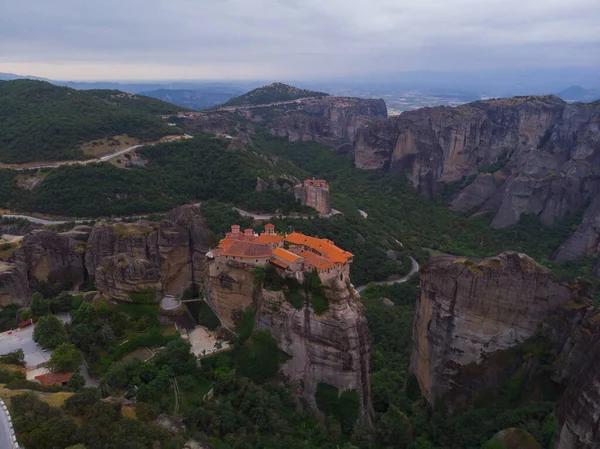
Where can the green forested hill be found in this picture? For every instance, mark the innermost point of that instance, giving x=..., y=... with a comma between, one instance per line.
x=40, y=121
x=140, y=103
x=273, y=92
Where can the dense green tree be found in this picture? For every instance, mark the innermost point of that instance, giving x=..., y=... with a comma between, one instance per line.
x=77, y=382
x=39, y=305
x=16, y=357
x=178, y=357
x=49, y=332
x=85, y=314
x=65, y=358
x=259, y=359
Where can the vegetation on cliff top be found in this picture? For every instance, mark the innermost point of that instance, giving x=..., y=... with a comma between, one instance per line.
x=43, y=122
x=272, y=93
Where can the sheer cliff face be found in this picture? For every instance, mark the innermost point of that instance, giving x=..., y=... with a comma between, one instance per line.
x=229, y=289
x=166, y=257
x=578, y=411
x=469, y=313
x=333, y=121
x=52, y=259
x=586, y=239
x=124, y=258
x=332, y=348
x=550, y=152
x=14, y=285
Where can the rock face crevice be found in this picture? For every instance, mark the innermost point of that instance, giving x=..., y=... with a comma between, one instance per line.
x=469, y=313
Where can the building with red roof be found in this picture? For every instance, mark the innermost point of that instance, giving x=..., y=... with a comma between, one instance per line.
x=54, y=378
x=291, y=254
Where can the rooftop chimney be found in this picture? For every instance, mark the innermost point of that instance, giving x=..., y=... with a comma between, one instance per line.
x=235, y=229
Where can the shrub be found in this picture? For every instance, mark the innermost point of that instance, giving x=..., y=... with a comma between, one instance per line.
x=319, y=304
x=16, y=357
x=295, y=298
x=207, y=318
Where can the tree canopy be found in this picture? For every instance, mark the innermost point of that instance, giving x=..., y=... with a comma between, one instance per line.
x=49, y=332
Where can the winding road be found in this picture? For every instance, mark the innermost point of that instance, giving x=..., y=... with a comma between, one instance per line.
x=6, y=432
x=108, y=157
x=415, y=267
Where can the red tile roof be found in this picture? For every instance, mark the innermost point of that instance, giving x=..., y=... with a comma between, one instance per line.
x=54, y=378
x=326, y=247
x=241, y=248
x=286, y=255
x=319, y=262
x=269, y=226
x=280, y=264
x=269, y=238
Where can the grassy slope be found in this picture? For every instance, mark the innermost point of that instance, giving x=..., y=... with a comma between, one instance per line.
x=40, y=121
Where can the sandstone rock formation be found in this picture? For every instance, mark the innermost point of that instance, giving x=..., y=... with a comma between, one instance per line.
x=470, y=313
x=586, y=239
x=229, y=289
x=548, y=152
x=53, y=260
x=332, y=348
x=333, y=121
x=578, y=411
x=330, y=120
x=14, y=285
x=140, y=257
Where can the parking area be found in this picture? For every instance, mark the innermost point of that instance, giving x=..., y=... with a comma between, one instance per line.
x=203, y=342
x=23, y=339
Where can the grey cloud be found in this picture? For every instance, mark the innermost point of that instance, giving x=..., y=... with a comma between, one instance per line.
x=308, y=38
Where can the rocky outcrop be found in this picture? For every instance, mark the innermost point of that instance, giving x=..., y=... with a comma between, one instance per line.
x=547, y=151
x=14, y=285
x=229, y=289
x=470, y=313
x=128, y=278
x=586, y=239
x=332, y=121
x=332, y=348
x=139, y=257
x=578, y=411
x=53, y=260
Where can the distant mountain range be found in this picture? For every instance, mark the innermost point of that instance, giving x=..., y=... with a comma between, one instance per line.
x=578, y=93
x=195, y=99
x=192, y=95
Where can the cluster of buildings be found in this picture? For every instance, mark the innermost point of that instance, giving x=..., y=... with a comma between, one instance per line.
x=291, y=254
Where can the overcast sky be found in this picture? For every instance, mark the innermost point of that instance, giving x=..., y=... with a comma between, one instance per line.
x=292, y=39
